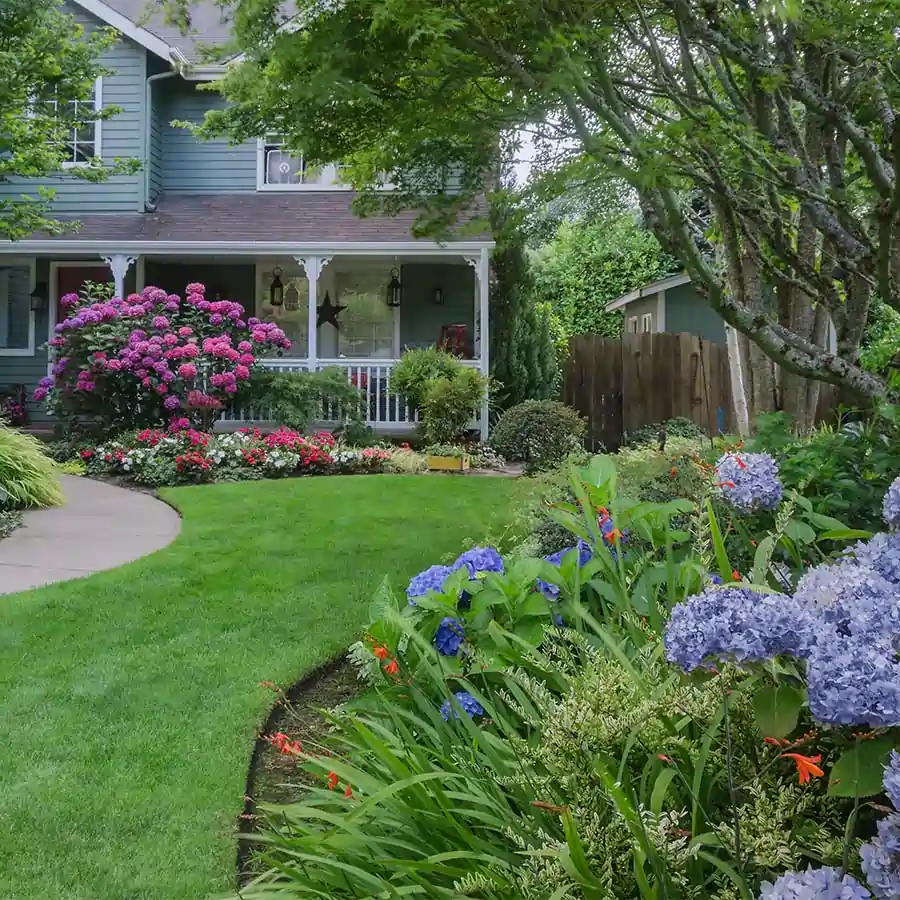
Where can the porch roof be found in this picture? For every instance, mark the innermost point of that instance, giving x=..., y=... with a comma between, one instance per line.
x=302, y=217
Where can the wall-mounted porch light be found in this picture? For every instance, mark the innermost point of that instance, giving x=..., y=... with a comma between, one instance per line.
x=39, y=298
x=276, y=290
x=394, y=289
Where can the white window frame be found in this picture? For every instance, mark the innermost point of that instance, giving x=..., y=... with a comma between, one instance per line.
x=98, y=129
x=341, y=281
x=631, y=325
x=647, y=323
x=15, y=262
x=328, y=182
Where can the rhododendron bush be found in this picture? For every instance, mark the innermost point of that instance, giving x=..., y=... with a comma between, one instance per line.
x=152, y=358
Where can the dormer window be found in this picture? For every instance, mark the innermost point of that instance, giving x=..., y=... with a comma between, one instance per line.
x=279, y=169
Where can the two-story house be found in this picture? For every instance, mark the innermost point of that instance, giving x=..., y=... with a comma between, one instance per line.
x=251, y=222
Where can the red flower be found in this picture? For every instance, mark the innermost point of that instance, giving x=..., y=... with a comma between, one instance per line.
x=735, y=575
x=392, y=668
x=86, y=454
x=806, y=766
x=349, y=792
x=740, y=462
x=332, y=780
x=663, y=757
x=380, y=652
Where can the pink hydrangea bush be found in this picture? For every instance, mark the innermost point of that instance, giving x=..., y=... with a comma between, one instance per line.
x=153, y=358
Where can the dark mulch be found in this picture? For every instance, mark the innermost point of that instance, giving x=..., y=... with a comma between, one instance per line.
x=10, y=520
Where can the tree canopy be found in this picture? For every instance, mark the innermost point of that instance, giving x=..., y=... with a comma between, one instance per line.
x=48, y=66
x=760, y=135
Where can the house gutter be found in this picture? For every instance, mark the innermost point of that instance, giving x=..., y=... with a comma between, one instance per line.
x=179, y=62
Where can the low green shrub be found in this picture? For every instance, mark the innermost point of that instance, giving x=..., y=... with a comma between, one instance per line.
x=296, y=399
x=28, y=477
x=416, y=370
x=677, y=427
x=540, y=433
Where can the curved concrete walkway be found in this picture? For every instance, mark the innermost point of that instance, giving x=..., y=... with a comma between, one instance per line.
x=99, y=527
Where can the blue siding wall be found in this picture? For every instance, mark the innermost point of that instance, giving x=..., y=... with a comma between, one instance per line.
x=194, y=166
x=121, y=136
x=687, y=311
x=420, y=317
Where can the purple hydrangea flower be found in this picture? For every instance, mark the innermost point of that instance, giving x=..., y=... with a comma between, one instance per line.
x=551, y=591
x=814, y=884
x=160, y=322
x=892, y=504
x=749, y=481
x=468, y=703
x=881, y=859
x=855, y=599
x=449, y=636
x=881, y=553
x=737, y=624
x=171, y=402
x=892, y=779
x=432, y=579
x=854, y=679
x=479, y=559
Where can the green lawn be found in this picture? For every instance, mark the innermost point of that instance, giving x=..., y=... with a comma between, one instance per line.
x=129, y=701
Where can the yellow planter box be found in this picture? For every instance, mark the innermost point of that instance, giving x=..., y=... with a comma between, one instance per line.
x=448, y=463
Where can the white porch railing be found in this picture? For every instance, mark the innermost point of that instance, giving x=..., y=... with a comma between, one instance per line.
x=382, y=408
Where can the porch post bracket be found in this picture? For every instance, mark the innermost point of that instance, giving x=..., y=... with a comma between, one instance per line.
x=119, y=264
x=313, y=267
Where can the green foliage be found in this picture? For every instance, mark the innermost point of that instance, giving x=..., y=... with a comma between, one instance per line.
x=540, y=433
x=677, y=427
x=843, y=472
x=587, y=265
x=450, y=403
x=296, y=399
x=523, y=355
x=28, y=477
x=46, y=55
x=881, y=341
x=412, y=376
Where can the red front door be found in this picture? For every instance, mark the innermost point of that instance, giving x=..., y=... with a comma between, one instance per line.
x=71, y=279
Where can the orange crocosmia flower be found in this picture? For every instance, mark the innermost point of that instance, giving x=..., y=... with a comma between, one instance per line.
x=615, y=533
x=348, y=792
x=740, y=462
x=332, y=780
x=806, y=766
x=735, y=575
x=380, y=652
x=674, y=471
x=392, y=668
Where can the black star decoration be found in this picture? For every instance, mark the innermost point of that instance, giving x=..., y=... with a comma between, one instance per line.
x=328, y=312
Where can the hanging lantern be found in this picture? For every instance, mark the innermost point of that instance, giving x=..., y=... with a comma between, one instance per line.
x=291, y=298
x=276, y=291
x=394, y=289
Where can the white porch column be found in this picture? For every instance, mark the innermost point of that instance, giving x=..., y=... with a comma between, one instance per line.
x=119, y=266
x=313, y=266
x=482, y=266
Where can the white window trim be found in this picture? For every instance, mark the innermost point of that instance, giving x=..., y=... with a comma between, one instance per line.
x=631, y=325
x=647, y=323
x=329, y=175
x=31, y=263
x=98, y=127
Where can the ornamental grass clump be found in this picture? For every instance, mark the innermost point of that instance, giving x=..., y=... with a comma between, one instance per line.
x=28, y=477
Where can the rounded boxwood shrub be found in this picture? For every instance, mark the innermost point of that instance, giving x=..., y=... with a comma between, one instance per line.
x=540, y=433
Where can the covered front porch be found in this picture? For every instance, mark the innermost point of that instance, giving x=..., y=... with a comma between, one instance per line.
x=335, y=305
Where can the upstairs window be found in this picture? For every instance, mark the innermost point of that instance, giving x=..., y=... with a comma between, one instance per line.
x=83, y=141
x=281, y=170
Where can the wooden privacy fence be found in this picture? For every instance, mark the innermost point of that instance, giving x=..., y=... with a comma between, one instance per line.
x=621, y=385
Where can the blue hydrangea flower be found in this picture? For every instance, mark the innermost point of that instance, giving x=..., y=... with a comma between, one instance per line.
x=892, y=504
x=749, y=481
x=468, y=703
x=881, y=859
x=737, y=624
x=854, y=598
x=854, y=680
x=551, y=591
x=881, y=553
x=892, y=779
x=479, y=559
x=432, y=579
x=449, y=636
x=814, y=884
